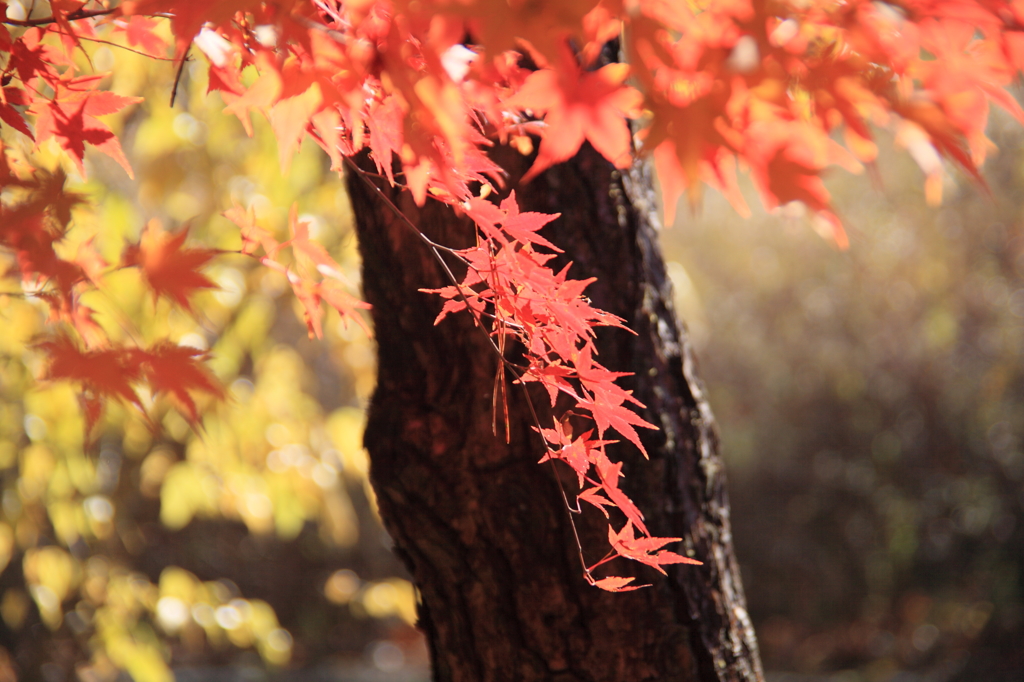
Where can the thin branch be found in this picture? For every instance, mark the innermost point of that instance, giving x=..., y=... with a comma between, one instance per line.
x=397, y=211
x=113, y=44
x=177, y=76
x=77, y=15
x=434, y=247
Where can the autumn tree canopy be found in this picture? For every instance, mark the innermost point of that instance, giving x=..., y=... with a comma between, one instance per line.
x=782, y=91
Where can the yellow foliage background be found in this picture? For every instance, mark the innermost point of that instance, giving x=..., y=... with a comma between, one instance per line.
x=281, y=460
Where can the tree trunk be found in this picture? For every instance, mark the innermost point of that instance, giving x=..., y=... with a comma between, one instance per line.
x=481, y=526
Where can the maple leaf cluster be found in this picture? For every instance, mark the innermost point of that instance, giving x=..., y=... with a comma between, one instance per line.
x=33, y=226
x=40, y=80
x=704, y=88
x=46, y=96
x=331, y=287
x=710, y=86
x=509, y=285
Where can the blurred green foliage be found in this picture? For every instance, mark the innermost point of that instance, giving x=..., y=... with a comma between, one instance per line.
x=149, y=550
x=871, y=407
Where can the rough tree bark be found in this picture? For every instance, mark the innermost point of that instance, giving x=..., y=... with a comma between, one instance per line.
x=480, y=525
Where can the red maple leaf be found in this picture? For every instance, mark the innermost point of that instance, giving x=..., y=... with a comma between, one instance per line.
x=70, y=118
x=579, y=106
x=169, y=269
x=506, y=221
x=31, y=229
x=646, y=550
x=112, y=372
x=609, y=473
x=31, y=58
x=9, y=98
x=615, y=583
x=609, y=412
x=577, y=453
x=102, y=373
x=177, y=371
x=593, y=496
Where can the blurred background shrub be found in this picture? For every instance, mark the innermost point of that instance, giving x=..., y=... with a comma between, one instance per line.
x=871, y=408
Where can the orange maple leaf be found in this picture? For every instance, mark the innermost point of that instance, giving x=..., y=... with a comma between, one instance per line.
x=253, y=236
x=103, y=373
x=169, y=269
x=178, y=371
x=70, y=118
x=615, y=583
x=141, y=33
x=579, y=106
x=646, y=550
x=187, y=18
x=304, y=247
